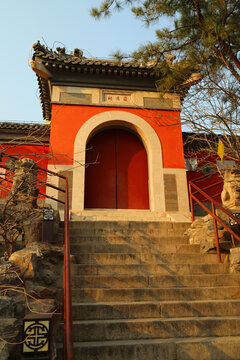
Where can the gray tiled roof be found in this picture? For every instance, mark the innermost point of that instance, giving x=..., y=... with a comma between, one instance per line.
x=7, y=125
x=61, y=60
x=24, y=132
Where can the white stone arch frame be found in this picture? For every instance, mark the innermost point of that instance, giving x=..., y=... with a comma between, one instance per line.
x=150, y=141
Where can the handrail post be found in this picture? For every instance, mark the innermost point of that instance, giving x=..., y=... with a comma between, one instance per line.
x=191, y=201
x=216, y=233
x=67, y=293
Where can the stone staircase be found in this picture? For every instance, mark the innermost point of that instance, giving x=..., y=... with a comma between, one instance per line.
x=141, y=292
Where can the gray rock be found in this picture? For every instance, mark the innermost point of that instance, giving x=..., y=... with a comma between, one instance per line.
x=48, y=276
x=9, y=275
x=6, y=307
x=4, y=354
x=40, y=292
x=10, y=329
x=42, y=306
x=202, y=232
x=235, y=260
x=27, y=259
x=33, y=228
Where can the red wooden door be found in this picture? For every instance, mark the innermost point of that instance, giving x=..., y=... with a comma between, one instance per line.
x=116, y=175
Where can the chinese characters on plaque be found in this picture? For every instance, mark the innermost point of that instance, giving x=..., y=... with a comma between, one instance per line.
x=118, y=98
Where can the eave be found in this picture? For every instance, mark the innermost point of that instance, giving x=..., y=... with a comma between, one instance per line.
x=22, y=133
x=61, y=69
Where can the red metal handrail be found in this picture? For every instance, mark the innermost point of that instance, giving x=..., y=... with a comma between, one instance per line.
x=203, y=176
x=212, y=212
x=208, y=176
x=211, y=185
x=67, y=290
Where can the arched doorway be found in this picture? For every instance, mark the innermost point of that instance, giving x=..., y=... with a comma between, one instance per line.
x=116, y=175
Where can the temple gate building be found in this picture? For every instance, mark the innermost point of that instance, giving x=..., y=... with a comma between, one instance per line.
x=119, y=143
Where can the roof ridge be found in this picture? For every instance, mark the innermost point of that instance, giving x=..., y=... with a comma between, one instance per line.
x=76, y=57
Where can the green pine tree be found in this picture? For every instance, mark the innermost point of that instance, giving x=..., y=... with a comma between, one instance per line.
x=202, y=32
x=198, y=55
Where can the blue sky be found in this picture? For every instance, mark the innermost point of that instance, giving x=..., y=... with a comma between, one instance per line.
x=24, y=22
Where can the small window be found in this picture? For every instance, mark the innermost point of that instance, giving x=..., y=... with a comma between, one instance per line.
x=225, y=164
x=191, y=164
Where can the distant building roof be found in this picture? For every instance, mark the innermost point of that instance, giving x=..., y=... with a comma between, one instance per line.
x=24, y=133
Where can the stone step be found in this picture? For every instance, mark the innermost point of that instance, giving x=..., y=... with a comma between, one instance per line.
x=80, y=239
x=121, y=309
x=144, y=258
x=129, y=248
x=157, y=281
x=162, y=309
x=211, y=348
x=148, y=269
x=127, y=231
x=128, y=225
x=164, y=328
x=156, y=294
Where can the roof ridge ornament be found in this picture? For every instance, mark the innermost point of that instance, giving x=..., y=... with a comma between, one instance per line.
x=61, y=50
x=78, y=53
x=39, y=47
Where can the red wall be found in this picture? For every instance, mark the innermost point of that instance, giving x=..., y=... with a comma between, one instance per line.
x=67, y=120
x=206, y=184
x=38, y=153
x=205, y=160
